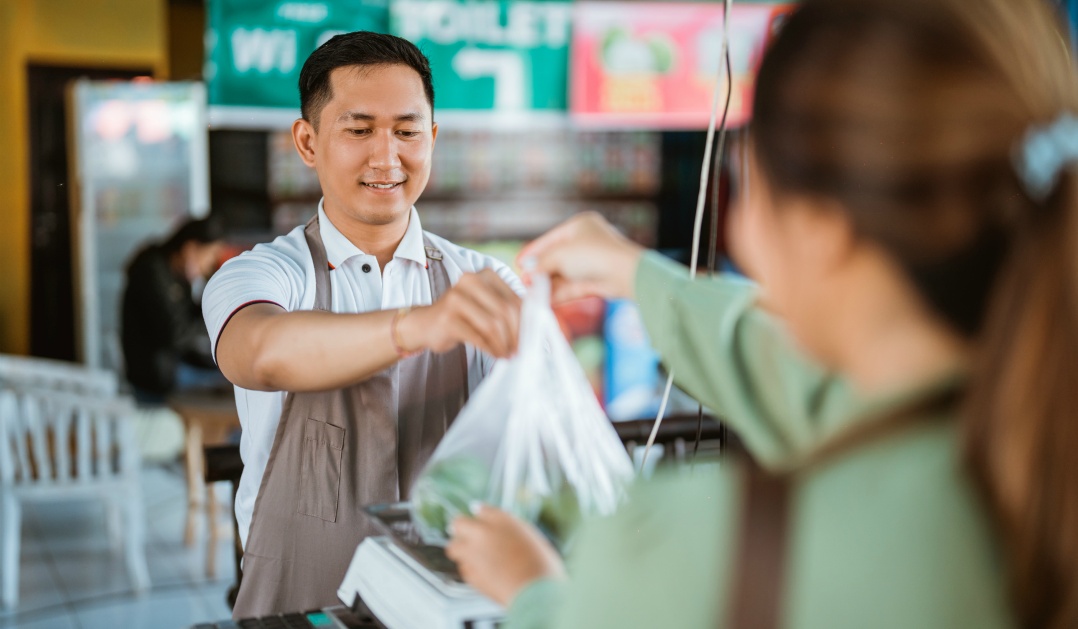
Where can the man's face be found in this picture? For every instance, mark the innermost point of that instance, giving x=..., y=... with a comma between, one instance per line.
x=372, y=149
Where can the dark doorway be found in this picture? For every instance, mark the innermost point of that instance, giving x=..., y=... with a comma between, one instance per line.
x=52, y=308
x=239, y=180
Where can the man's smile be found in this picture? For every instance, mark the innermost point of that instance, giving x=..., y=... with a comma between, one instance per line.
x=382, y=186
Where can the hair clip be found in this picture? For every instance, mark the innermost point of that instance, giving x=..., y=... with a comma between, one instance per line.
x=1044, y=153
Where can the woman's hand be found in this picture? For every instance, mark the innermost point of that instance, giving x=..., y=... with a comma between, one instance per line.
x=499, y=555
x=585, y=256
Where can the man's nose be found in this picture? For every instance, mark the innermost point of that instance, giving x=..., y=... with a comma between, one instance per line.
x=384, y=154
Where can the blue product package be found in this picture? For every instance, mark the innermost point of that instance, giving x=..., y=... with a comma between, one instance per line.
x=632, y=366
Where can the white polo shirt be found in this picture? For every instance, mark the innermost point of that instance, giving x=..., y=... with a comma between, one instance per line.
x=282, y=272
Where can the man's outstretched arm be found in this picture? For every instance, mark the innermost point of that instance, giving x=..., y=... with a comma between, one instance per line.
x=263, y=347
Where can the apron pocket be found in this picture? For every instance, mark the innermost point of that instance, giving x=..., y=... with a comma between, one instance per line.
x=320, y=469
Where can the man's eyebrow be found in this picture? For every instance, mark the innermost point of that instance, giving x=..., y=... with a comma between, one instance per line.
x=365, y=117
x=355, y=115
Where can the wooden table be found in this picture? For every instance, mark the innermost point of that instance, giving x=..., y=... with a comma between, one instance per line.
x=209, y=417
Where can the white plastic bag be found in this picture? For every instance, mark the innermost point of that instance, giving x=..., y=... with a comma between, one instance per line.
x=532, y=440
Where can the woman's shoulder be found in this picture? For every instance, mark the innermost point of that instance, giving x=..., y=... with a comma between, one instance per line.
x=891, y=535
x=894, y=531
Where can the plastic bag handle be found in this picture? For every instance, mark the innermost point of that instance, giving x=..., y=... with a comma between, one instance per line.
x=539, y=291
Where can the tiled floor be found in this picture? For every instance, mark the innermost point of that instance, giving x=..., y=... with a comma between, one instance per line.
x=70, y=577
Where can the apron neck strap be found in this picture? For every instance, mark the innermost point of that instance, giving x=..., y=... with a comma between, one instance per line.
x=436, y=271
x=323, y=292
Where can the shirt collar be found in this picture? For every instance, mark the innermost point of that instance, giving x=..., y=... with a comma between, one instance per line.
x=411, y=246
x=339, y=249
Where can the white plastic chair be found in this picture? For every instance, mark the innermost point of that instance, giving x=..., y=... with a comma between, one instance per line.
x=57, y=375
x=58, y=446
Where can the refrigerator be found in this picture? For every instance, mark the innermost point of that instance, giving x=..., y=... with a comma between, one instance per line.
x=140, y=168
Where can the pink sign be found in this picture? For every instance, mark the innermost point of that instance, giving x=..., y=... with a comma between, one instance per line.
x=655, y=65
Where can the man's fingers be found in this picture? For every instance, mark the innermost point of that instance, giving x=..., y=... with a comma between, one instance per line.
x=471, y=322
x=499, y=307
x=488, y=311
x=463, y=331
x=505, y=306
x=509, y=298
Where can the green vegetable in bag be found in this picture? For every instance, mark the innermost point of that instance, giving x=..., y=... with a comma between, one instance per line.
x=559, y=515
x=449, y=487
x=446, y=490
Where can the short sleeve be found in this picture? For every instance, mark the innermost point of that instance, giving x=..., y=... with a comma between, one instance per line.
x=270, y=273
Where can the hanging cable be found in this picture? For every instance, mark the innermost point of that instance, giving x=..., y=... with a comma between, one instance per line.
x=713, y=245
x=713, y=242
x=724, y=67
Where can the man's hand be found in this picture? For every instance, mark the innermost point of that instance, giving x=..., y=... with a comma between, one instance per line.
x=499, y=555
x=480, y=310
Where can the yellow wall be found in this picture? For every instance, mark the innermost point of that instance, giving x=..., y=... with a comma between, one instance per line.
x=77, y=33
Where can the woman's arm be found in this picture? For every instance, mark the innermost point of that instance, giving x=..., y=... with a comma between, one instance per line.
x=657, y=562
x=739, y=361
x=724, y=350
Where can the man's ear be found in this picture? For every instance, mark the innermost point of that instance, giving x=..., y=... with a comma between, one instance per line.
x=303, y=136
x=433, y=133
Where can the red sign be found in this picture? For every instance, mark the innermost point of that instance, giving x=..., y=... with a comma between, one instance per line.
x=655, y=65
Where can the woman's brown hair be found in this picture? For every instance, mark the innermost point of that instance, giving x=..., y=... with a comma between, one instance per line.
x=912, y=114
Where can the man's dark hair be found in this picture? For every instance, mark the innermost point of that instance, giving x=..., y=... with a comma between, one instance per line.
x=202, y=231
x=361, y=48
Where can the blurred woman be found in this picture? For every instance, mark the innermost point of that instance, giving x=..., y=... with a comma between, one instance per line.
x=911, y=214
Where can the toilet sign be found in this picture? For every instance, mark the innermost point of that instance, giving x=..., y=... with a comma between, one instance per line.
x=503, y=55
x=500, y=55
x=255, y=49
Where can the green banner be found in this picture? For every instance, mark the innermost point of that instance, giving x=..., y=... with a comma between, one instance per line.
x=255, y=49
x=504, y=55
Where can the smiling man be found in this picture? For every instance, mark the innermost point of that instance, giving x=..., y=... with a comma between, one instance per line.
x=352, y=341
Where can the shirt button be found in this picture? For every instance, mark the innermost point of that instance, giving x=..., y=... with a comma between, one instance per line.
x=366, y=268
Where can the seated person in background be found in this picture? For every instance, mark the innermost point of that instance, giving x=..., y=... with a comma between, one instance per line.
x=165, y=344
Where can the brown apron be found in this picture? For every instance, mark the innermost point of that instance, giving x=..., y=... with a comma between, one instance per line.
x=337, y=451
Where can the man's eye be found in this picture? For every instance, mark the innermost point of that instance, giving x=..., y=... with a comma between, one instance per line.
x=409, y=134
x=359, y=131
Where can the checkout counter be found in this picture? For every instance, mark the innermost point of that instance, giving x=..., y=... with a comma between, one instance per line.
x=405, y=575
x=329, y=618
